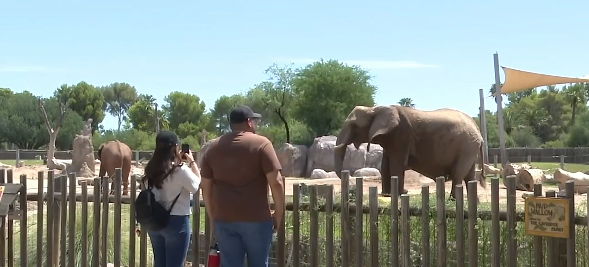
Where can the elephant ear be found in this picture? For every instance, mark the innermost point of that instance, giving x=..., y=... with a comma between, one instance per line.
x=384, y=121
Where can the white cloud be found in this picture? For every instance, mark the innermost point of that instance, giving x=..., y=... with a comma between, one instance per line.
x=4, y=68
x=370, y=64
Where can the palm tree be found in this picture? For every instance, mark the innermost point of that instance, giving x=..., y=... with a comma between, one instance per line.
x=406, y=102
x=576, y=94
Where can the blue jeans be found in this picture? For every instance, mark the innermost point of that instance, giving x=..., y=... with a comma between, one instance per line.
x=171, y=243
x=236, y=239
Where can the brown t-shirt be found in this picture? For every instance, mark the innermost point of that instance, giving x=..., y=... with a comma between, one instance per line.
x=237, y=164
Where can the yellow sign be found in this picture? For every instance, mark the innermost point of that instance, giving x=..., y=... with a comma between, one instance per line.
x=547, y=216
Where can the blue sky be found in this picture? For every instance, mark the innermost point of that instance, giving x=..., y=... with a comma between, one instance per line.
x=439, y=53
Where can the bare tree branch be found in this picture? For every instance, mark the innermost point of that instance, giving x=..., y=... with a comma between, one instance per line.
x=47, y=123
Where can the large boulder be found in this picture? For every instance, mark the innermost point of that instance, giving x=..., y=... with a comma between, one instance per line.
x=83, y=153
x=321, y=174
x=367, y=172
x=293, y=159
x=321, y=156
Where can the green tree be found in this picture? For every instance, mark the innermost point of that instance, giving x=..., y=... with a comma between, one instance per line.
x=326, y=93
x=280, y=94
x=219, y=118
x=143, y=117
x=84, y=99
x=119, y=97
x=20, y=122
x=407, y=102
x=579, y=134
x=184, y=108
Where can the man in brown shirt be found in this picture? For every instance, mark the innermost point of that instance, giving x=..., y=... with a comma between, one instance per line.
x=236, y=170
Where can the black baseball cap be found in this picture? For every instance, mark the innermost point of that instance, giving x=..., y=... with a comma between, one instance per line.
x=166, y=139
x=241, y=114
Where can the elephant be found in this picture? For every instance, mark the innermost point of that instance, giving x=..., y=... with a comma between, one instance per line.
x=112, y=155
x=442, y=142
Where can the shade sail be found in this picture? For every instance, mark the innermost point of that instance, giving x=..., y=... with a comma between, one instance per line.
x=519, y=80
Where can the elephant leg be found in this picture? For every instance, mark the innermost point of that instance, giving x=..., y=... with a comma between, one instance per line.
x=126, y=172
x=385, y=174
x=398, y=169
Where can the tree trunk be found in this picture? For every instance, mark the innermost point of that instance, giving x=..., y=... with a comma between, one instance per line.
x=286, y=128
x=51, y=162
x=574, y=111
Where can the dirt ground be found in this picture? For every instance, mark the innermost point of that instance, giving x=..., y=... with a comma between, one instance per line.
x=413, y=183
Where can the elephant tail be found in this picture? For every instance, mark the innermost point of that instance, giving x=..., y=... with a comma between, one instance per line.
x=482, y=166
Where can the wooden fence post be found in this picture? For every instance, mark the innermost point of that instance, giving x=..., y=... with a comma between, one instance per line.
x=314, y=226
x=23, y=221
x=132, y=225
x=50, y=214
x=395, y=220
x=281, y=234
x=3, y=226
x=373, y=203
x=96, y=222
x=562, y=161
x=63, y=226
x=84, y=259
x=117, y=217
x=473, y=252
x=329, y=226
x=495, y=241
x=511, y=224
x=359, y=246
x=345, y=227
x=105, y=195
x=296, y=224
x=405, y=229
x=458, y=189
x=425, y=251
x=143, y=241
x=10, y=239
x=538, y=246
x=71, y=260
x=441, y=221
x=40, y=205
x=551, y=242
x=571, y=253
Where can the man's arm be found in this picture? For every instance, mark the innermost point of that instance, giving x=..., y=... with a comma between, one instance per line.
x=277, y=187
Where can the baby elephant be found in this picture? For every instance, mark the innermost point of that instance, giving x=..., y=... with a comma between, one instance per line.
x=112, y=155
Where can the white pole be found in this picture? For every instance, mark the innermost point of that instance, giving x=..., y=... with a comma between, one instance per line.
x=484, y=127
x=499, y=100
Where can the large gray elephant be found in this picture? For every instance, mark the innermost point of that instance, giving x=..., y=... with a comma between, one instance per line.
x=436, y=143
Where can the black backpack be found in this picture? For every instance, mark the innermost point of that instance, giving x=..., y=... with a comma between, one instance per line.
x=151, y=214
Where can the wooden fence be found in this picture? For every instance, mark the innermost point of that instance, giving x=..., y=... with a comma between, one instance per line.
x=366, y=235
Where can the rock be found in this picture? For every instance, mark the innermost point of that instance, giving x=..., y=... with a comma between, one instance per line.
x=321, y=174
x=293, y=159
x=83, y=153
x=320, y=155
x=367, y=172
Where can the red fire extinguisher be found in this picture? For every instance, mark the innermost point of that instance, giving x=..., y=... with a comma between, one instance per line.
x=214, y=257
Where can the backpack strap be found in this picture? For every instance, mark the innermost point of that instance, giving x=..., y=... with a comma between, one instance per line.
x=173, y=203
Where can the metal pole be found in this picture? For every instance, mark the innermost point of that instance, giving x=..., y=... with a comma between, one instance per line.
x=484, y=127
x=499, y=100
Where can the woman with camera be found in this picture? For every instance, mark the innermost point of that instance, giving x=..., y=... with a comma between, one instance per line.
x=172, y=175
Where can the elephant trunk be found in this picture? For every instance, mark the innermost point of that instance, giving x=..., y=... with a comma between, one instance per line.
x=340, y=154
